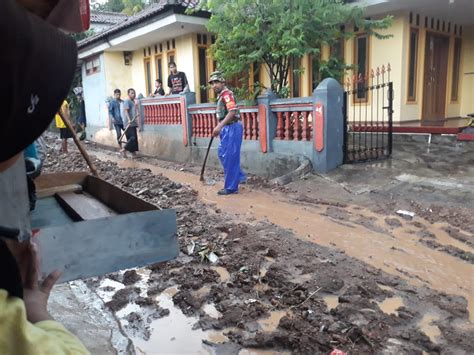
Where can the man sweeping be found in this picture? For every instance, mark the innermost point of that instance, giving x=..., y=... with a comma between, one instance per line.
x=230, y=131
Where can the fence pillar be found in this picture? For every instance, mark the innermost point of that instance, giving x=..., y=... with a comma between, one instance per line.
x=328, y=126
x=266, y=121
x=188, y=98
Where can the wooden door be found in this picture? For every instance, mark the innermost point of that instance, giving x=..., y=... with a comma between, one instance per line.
x=436, y=70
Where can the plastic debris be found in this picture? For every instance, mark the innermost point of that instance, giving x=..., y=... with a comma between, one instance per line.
x=406, y=213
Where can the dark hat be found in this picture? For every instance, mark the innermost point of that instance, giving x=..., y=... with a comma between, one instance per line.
x=216, y=76
x=38, y=63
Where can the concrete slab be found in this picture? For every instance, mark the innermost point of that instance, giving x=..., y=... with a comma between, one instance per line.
x=83, y=314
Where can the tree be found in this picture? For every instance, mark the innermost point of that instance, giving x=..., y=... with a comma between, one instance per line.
x=110, y=5
x=273, y=32
x=133, y=6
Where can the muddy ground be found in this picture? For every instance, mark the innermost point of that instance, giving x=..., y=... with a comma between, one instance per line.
x=315, y=299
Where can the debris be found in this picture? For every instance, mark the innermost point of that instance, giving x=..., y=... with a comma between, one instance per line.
x=406, y=213
x=250, y=301
x=190, y=248
x=337, y=352
x=212, y=257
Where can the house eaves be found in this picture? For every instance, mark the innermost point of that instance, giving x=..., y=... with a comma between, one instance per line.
x=155, y=13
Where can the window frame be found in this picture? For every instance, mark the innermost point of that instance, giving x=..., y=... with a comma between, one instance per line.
x=456, y=70
x=413, y=98
x=94, y=68
x=367, y=62
x=148, y=76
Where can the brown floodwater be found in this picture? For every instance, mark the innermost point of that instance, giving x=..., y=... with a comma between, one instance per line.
x=396, y=251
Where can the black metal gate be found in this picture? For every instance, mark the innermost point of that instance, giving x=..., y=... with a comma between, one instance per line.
x=367, y=110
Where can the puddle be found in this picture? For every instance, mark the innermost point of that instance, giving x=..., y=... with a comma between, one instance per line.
x=211, y=311
x=391, y=252
x=331, y=301
x=431, y=330
x=171, y=291
x=390, y=305
x=174, y=334
x=223, y=273
x=262, y=352
x=270, y=324
x=202, y=292
x=261, y=287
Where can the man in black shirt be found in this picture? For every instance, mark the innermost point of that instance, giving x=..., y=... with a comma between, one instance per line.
x=177, y=81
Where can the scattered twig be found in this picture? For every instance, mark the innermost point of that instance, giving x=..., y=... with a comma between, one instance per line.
x=307, y=299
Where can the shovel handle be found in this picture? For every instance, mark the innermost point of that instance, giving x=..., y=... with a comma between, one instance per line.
x=65, y=117
x=201, y=178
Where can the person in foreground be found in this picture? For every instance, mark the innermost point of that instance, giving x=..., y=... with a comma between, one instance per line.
x=39, y=63
x=230, y=131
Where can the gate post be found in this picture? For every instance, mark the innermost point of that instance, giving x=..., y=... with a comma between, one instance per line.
x=328, y=126
x=186, y=99
x=267, y=121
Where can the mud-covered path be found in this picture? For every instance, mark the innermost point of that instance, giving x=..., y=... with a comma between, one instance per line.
x=396, y=245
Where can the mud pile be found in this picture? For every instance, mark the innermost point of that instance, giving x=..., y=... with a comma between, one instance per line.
x=271, y=290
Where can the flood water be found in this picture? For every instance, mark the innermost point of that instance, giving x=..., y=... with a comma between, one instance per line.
x=398, y=252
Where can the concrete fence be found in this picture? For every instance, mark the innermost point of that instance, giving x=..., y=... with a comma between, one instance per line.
x=279, y=134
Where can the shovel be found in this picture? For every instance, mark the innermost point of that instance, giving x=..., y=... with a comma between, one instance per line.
x=201, y=178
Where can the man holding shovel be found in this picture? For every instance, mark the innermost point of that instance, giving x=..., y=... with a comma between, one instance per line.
x=230, y=131
x=130, y=118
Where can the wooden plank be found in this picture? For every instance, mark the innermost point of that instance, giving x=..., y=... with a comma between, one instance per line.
x=82, y=206
x=97, y=247
x=114, y=197
x=51, y=191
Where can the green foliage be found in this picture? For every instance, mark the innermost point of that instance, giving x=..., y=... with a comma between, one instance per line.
x=133, y=6
x=110, y=5
x=271, y=32
x=129, y=7
x=80, y=36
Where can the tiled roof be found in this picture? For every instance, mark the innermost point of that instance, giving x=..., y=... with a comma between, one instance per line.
x=154, y=9
x=107, y=17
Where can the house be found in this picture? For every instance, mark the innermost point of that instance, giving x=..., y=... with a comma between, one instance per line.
x=431, y=56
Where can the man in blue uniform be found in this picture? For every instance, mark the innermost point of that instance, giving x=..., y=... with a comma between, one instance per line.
x=230, y=131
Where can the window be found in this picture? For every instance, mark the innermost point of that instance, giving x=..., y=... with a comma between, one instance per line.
x=93, y=66
x=337, y=53
x=295, y=77
x=315, y=74
x=159, y=67
x=203, y=74
x=171, y=58
x=412, y=64
x=148, y=80
x=456, y=69
x=362, y=64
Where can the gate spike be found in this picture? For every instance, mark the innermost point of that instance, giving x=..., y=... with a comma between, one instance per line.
x=383, y=69
x=378, y=71
x=389, y=68
x=348, y=83
x=360, y=79
x=372, y=73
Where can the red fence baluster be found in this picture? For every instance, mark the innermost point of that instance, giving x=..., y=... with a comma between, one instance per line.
x=210, y=119
x=255, y=132
x=287, y=125
x=305, y=133
x=177, y=113
x=296, y=127
x=279, y=131
x=154, y=112
x=207, y=124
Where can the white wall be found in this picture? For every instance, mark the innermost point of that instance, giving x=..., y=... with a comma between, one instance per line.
x=95, y=94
